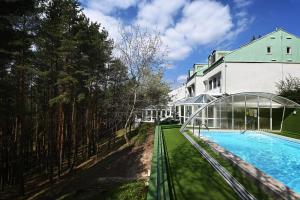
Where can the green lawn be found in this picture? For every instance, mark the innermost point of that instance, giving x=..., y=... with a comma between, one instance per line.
x=288, y=134
x=129, y=191
x=192, y=177
x=291, y=125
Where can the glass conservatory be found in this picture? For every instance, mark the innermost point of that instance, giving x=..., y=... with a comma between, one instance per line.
x=186, y=107
x=151, y=113
x=180, y=110
x=242, y=111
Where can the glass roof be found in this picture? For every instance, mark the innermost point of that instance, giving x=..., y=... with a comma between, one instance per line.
x=200, y=99
x=273, y=100
x=274, y=97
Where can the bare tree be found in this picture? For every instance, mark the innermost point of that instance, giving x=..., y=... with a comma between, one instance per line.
x=290, y=88
x=142, y=52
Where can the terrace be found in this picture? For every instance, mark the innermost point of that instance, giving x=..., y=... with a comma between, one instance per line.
x=190, y=163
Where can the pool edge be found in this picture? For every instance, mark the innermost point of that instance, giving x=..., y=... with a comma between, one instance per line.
x=267, y=182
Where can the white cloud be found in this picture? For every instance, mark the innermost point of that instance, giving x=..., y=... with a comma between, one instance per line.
x=169, y=66
x=110, y=24
x=108, y=6
x=242, y=3
x=184, y=25
x=202, y=22
x=182, y=78
x=158, y=14
x=243, y=19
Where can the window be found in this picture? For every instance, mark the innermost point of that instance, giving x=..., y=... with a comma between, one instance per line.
x=288, y=50
x=210, y=84
x=269, y=50
x=288, y=38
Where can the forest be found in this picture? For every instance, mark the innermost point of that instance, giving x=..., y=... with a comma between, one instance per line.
x=64, y=90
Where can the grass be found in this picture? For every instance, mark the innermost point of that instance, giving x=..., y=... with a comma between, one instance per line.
x=250, y=184
x=288, y=134
x=129, y=191
x=192, y=177
x=291, y=123
x=291, y=126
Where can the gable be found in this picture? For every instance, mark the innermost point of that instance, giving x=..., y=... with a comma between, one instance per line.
x=278, y=42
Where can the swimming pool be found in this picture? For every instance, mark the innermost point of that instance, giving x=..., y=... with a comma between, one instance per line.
x=277, y=157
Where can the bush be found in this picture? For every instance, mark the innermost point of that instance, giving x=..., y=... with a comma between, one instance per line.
x=169, y=120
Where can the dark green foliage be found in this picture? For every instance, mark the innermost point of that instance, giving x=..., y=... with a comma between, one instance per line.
x=291, y=123
x=61, y=93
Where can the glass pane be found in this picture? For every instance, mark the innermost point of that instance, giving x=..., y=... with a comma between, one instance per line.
x=276, y=117
x=251, y=112
x=239, y=112
x=264, y=113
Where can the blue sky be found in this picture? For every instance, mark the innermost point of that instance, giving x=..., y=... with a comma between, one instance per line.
x=192, y=29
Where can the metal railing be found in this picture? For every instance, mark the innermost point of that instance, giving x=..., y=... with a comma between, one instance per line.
x=159, y=183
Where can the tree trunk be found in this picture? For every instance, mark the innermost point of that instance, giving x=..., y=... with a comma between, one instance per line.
x=73, y=121
x=61, y=129
x=130, y=115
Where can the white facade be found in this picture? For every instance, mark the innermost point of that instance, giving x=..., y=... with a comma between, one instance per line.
x=250, y=77
x=178, y=93
x=254, y=67
x=195, y=86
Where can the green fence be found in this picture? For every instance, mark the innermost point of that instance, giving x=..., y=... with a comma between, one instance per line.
x=159, y=179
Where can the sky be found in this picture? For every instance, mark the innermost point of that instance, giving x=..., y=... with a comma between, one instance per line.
x=192, y=29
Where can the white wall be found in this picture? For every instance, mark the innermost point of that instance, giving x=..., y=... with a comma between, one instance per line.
x=178, y=93
x=199, y=85
x=212, y=73
x=257, y=77
x=241, y=77
x=250, y=77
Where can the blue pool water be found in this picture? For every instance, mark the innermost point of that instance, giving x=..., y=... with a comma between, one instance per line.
x=277, y=157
